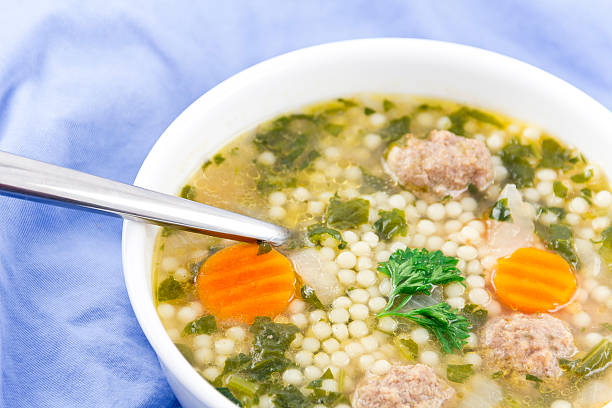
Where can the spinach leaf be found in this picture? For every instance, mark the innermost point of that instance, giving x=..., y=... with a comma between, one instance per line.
x=460, y=117
x=271, y=180
x=559, y=238
x=459, y=373
x=390, y=224
x=558, y=211
x=309, y=295
x=316, y=234
x=347, y=102
x=559, y=189
x=169, y=289
x=188, y=192
x=347, y=214
x=595, y=361
x=228, y=394
x=531, y=377
x=500, y=211
x=407, y=348
x=515, y=158
x=555, y=156
x=372, y=183
x=333, y=128
x=206, y=164
x=395, y=130
x=203, y=325
x=388, y=105
x=605, y=251
x=186, y=352
x=476, y=315
x=582, y=177
x=289, y=396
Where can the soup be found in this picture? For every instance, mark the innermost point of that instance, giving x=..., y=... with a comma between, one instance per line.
x=444, y=256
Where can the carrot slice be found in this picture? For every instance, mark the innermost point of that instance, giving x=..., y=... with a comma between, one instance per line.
x=237, y=284
x=533, y=280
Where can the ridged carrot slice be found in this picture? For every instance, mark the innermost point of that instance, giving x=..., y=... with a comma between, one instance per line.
x=237, y=284
x=534, y=280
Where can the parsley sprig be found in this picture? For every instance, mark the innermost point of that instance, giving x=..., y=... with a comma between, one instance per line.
x=415, y=271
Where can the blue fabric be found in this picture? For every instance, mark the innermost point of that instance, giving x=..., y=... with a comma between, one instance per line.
x=91, y=85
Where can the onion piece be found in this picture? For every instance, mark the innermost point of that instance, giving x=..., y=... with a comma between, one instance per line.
x=308, y=266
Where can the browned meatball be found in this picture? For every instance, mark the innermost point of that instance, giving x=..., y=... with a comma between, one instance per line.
x=409, y=386
x=529, y=344
x=442, y=164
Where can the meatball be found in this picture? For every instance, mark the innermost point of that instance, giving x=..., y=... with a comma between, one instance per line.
x=443, y=164
x=408, y=386
x=527, y=344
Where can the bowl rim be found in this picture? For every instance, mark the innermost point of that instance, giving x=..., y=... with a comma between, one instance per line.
x=134, y=264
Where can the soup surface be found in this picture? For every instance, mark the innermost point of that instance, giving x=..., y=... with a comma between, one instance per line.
x=445, y=256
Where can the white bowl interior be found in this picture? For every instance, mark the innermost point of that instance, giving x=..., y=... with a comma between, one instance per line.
x=408, y=66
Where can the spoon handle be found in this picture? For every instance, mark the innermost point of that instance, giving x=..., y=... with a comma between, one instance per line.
x=31, y=179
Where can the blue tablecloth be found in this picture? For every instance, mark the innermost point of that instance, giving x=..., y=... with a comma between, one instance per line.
x=91, y=85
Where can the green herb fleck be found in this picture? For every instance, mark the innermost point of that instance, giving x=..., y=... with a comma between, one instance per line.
x=605, y=251
x=460, y=117
x=206, y=164
x=309, y=295
x=476, y=315
x=316, y=234
x=188, y=192
x=333, y=128
x=530, y=377
x=263, y=247
x=558, y=211
x=218, y=159
x=500, y=211
x=559, y=189
x=347, y=214
x=368, y=111
x=497, y=375
x=202, y=325
x=372, y=183
x=228, y=394
x=169, y=289
x=395, y=129
x=515, y=158
x=459, y=373
x=555, y=156
x=582, y=177
x=388, y=105
x=347, y=102
x=390, y=224
x=559, y=238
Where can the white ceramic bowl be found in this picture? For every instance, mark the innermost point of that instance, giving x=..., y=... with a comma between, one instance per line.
x=408, y=66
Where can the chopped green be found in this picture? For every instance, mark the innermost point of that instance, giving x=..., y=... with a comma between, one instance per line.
x=555, y=156
x=316, y=233
x=347, y=102
x=459, y=373
x=451, y=329
x=558, y=211
x=206, y=164
x=327, y=398
x=559, y=238
x=460, y=117
x=582, y=177
x=289, y=396
x=263, y=247
x=333, y=128
x=476, y=315
x=390, y=224
x=530, y=377
x=605, y=251
x=241, y=385
x=269, y=180
x=169, y=289
x=188, y=192
x=372, y=183
x=309, y=295
x=416, y=271
x=388, y=105
x=515, y=158
x=497, y=374
x=228, y=394
x=186, y=352
x=607, y=326
x=407, y=348
x=167, y=231
x=194, y=267
x=595, y=361
x=368, y=111
x=202, y=325
x=218, y=159
x=500, y=211
x=347, y=214
x=559, y=189
x=395, y=129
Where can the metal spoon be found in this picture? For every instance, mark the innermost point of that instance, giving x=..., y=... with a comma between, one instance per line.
x=31, y=179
